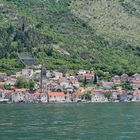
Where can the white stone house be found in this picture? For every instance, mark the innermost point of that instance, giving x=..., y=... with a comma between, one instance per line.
x=10, y=81
x=136, y=96
x=98, y=96
x=116, y=79
x=124, y=77
x=136, y=77
x=3, y=75
x=78, y=95
x=44, y=98
x=107, y=85
x=135, y=85
x=27, y=72
x=18, y=97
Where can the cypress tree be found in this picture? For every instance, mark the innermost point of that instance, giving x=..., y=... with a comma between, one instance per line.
x=95, y=80
x=85, y=81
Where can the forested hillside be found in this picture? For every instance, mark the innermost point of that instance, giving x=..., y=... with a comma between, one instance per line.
x=99, y=34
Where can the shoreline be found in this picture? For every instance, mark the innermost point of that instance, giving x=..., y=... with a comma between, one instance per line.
x=72, y=102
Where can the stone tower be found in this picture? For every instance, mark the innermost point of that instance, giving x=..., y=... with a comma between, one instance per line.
x=43, y=80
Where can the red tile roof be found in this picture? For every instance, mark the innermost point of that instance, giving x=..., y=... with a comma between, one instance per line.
x=107, y=83
x=136, y=92
x=136, y=82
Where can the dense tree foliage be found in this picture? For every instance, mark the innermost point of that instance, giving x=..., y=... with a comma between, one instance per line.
x=87, y=96
x=23, y=83
x=108, y=95
x=126, y=86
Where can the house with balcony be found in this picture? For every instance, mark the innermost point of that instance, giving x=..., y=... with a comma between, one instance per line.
x=136, y=77
x=116, y=79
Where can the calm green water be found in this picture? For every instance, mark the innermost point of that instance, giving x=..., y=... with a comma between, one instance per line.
x=70, y=122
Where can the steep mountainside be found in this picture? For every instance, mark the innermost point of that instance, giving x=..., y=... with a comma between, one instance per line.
x=116, y=19
x=102, y=34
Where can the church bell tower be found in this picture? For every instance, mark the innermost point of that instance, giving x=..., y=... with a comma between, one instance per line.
x=43, y=80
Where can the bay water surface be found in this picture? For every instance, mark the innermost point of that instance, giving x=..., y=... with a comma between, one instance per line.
x=107, y=121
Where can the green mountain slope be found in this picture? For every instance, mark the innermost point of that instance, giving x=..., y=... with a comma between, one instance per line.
x=116, y=19
x=76, y=33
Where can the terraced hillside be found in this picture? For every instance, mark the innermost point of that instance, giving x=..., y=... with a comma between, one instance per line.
x=99, y=34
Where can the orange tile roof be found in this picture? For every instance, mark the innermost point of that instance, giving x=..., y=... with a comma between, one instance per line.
x=8, y=91
x=87, y=74
x=78, y=93
x=20, y=90
x=2, y=83
x=13, y=87
x=55, y=93
x=54, y=84
x=3, y=73
x=37, y=94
